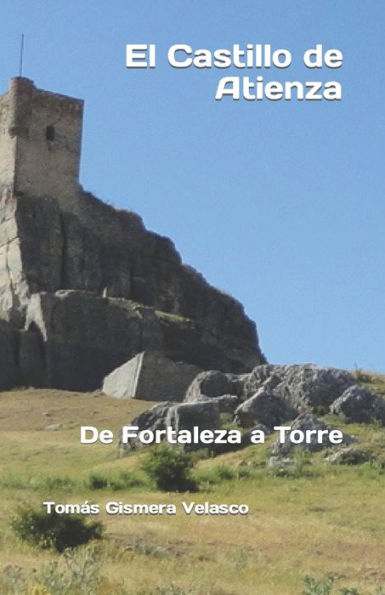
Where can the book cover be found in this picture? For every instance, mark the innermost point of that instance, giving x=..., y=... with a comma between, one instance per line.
x=191, y=298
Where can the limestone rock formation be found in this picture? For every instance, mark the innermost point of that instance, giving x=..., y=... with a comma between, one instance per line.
x=265, y=408
x=226, y=403
x=307, y=422
x=351, y=455
x=184, y=416
x=281, y=394
x=9, y=369
x=357, y=404
x=181, y=416
x=304, y=387
x=89, y=284
x=213, y=383
x=151, y=419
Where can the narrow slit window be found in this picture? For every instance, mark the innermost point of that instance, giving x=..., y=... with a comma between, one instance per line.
x=50, y=133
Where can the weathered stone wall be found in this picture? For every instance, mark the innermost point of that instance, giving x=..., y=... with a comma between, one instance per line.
x=40, y=141
x=7, y=148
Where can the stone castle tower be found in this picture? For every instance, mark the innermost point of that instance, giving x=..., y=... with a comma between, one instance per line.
x=40, y=141
x=83, y=286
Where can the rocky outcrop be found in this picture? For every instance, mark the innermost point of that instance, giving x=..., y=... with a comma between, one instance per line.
x=213, y=383
x=185, y=416
x=62, y=250
x=84, y=337
x=47, y=245
x=9, y=365
x=72, y=271
x=304, y=387
x=357, y=404
x=351, y=455
x=150, y=376
x=226, y=403
x=21, y=358
x=265, y=408
x=182, y=416
x=307, y=423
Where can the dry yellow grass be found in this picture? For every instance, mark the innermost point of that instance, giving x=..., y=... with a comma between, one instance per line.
x=331, y=522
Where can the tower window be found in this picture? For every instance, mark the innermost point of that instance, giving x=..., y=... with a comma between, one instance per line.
x=50, y=133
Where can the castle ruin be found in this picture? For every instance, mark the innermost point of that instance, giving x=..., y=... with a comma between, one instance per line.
x=84, y=287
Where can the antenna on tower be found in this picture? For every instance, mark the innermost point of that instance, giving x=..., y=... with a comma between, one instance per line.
x=21, y=55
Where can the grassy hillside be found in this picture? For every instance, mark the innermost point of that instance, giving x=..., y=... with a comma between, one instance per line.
x=317, y=519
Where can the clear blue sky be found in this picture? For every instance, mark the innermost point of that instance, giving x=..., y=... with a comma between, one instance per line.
x=279, y=203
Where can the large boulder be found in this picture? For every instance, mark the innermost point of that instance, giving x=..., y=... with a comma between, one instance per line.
x=151, y=419
x=213, y=383
x=181, y=416
x=304, y=423
x=305, y=387
x=357, y=404
x=350, y=455
x=150, y=376
x=266, y=408
x=267, y=376
x=185, y=416
x=226, y=403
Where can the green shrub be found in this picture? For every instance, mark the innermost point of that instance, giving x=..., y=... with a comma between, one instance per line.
x=58, y=531
x=123, y=480
x=96, y=481
x=315, y=586
x=79, y=576
x=10, y=481
x=12, y=580
x=54, y=483
x=75, y=572
x=324, y=586
x=170, y=469
x=214, y=476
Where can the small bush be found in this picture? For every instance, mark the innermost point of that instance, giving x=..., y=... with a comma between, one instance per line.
x=12, y=580
x=97, y=481
x=315, y=586
x=214, y=476
x=80, y=575
x=75, y=572
x=360, y=376
x=123, y=480
x=170, y=469
x=54, y=530
x=324, y=586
